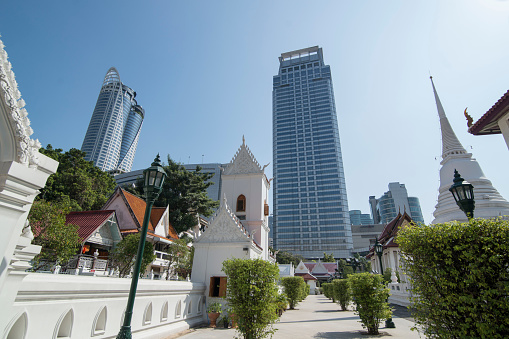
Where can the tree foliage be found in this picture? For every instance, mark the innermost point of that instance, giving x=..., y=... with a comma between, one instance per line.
x=460, y=277
x=284, y=257
x=341, y=292
x=180, y=259
x=370, y=294
x=124, y=255
x=59, y=241
x=185, y=192
x=328, y=257
x=252, y=294
x=294, y=290
x=77, y=181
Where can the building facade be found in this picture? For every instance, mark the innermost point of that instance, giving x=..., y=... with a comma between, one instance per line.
x=114, y=129
x=392, y=202
x=359, y=218
x=310, y=202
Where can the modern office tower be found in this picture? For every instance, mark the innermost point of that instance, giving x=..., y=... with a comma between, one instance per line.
x=394, y=201
x=310, y=203
x=359, y=218
x=114, y=129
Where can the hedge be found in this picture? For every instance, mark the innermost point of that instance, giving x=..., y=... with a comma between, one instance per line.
x=460, y=278
x=341, y=292
x=252, y=295
x=294, y=290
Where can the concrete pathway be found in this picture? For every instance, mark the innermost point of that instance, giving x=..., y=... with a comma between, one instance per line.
x=318, y=317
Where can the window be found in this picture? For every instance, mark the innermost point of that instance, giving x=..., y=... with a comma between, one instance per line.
x=217, y=287
x=241, y=203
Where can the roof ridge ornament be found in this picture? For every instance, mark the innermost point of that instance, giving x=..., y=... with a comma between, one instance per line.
x=26, y=149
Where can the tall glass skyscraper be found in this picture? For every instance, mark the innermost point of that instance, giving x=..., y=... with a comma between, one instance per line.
x=114, y=129
x=310, y=203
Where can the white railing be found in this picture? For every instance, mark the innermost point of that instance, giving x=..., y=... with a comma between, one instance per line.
x=161, y=259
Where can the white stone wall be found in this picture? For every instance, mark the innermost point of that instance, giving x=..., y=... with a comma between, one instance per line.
x=51, y=306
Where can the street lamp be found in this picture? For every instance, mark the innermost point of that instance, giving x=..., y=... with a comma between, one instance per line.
x=463, y=193
x=153, y=179
x=379, y=249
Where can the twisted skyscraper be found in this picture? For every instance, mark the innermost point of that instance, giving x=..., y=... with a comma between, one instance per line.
x=114, y=129
x=310, y=204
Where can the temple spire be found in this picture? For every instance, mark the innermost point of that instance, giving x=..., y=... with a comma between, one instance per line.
x=450, y=143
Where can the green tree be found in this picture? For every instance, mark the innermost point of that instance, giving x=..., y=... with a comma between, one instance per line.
x=293, y=287
x=77, y=181
x=252, y=295
x=284, y=257
x=124, y=255
x=59, y=241
x=185, y=192
x=328, y=257
x=370, y=294
x=460, y=278
x=341, y=292
x=180, y=259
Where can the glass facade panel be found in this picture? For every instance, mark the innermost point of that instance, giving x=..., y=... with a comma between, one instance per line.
x=113, y=132
x=306, y=143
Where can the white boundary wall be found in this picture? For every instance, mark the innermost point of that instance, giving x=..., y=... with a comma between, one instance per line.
x=66, y=306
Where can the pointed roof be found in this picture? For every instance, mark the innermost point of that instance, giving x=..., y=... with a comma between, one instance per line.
x=224, y=226
x=450, y=143
x=136, y=207
x=88, y=221
x=488, y=202
x=243, y=162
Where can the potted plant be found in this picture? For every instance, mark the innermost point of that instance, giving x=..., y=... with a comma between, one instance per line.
x=224, y=321
x=213, y=311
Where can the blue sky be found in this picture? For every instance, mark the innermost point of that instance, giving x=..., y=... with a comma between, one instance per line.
x=203, y=72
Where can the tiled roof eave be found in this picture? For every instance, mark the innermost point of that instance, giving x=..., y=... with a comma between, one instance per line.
x=492, y=115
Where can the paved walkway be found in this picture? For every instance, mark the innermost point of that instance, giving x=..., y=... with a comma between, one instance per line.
x=318, y=317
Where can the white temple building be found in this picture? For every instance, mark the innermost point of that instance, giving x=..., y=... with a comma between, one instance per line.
x=488, y=202
x=239, y=228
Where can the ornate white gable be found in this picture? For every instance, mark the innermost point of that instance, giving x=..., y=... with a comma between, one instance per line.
x=319, y=268
x=243, y=162
x=224, y=227
x=22, y=149
x=301, y=268
x=102, y=236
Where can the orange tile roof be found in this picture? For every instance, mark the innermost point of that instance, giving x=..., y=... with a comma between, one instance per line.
x=138, y=206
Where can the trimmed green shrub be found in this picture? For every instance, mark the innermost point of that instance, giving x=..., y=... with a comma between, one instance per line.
x=460, y=277
x=369, y=293
x=387, y=275
x=251, y=293
x=293, y=289
x=341, y=292
x=327, y=291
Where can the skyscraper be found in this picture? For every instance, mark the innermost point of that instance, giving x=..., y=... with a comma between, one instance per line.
x=310, y=203
x=114, y=129
x=392, y=202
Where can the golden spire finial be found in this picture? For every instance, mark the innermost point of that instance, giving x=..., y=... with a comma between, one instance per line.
x=469, y=118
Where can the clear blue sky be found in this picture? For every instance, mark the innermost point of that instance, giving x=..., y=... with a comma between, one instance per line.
x=203, y=72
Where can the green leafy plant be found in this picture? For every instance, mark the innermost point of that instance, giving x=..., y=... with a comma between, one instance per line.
x=252, y=294
x=460, y=277
x=341, y=292
x=214, y=307
x=59, y=241
x=369, y=294
x=293, y=287
x=124, y=254
x=387, y=275
x=327, y=291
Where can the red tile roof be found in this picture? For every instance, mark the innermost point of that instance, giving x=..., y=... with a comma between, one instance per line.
x=88, y=221
x=390, y=231
x=487, y=124
x=306, y=276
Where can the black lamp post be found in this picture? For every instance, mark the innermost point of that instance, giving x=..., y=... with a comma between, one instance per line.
x=153, y=179
x=463, y=193
x=379, y=250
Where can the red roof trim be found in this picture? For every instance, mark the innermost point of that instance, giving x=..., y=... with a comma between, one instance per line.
x=492, y=115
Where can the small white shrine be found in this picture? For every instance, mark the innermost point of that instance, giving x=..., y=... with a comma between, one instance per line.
x=239, y=228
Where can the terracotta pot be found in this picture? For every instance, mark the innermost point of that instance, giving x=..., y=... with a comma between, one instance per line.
x=213, y=317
